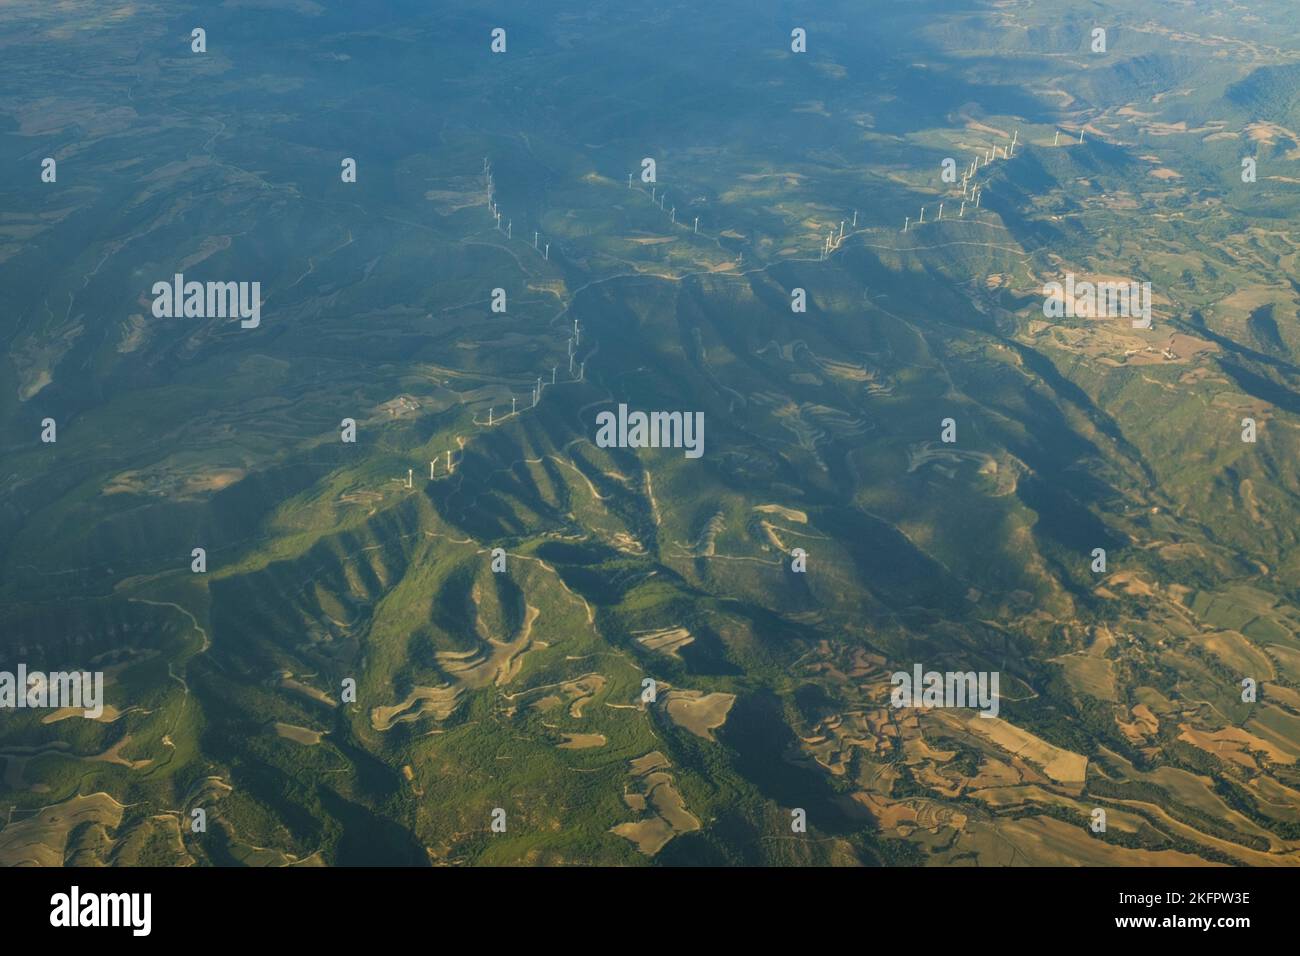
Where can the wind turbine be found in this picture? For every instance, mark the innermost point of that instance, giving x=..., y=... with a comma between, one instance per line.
x=906, y=220
x=1057, y=140
x=922, y=214
x=855, y=219
x=697, y=224
x=547, y=254
x=962, y=211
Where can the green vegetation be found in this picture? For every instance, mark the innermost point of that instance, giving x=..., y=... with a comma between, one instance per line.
x=520, y=691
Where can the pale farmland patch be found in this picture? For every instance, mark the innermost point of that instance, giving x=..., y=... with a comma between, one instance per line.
x=698, y=712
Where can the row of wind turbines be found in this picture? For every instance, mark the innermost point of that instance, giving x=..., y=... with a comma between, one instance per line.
x=663, y=198
x=495, y=209
x=971, y=194
x=574, y=340
x=535, y=396
x=577, y=367
x=972, y=191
